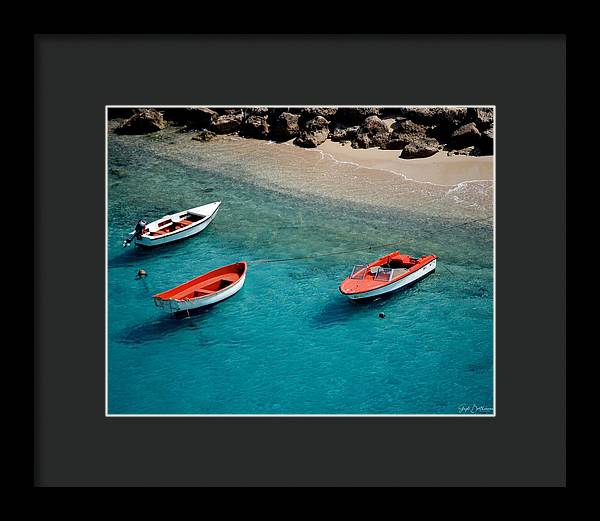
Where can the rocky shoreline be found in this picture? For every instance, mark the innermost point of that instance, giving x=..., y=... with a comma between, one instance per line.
x=415, y=132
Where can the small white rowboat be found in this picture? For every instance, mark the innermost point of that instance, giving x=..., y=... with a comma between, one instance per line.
x=205, y=290
x=174, y=227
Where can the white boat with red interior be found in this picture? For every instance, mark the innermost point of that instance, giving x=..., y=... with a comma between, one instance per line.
x=173, y=227
x=205, y=290
x=386, y=275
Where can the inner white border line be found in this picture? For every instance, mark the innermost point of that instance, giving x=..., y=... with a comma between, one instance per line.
x=108, y=415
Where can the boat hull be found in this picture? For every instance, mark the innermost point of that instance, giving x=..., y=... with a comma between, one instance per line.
x=409, y=279
x=177, y=306
x=189, y=231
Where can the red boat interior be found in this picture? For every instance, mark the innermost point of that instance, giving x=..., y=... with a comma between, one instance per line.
x=206, y=284
x=168, y=226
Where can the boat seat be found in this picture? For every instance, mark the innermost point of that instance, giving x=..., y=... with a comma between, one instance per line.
x=229, y=277
x=186, y=222
x=203, y=292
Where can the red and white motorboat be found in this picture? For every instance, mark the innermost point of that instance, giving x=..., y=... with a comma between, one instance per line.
x=387, y=274
x=173, y=227
x=207, y=289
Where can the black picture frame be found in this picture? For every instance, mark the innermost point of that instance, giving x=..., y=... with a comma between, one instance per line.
x=77, y=76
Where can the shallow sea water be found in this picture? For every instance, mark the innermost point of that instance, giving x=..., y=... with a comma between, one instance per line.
x=289, y=342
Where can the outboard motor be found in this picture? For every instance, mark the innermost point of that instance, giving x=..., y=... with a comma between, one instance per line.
x=139, y=228
x=136, y=234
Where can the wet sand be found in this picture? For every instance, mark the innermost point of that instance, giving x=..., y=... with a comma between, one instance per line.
x=439, y=169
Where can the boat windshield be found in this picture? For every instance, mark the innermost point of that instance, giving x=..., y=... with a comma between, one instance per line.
x=359, y=271
x=383, y=274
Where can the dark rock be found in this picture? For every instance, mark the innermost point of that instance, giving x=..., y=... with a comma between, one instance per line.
x=227, y=124
x=121, y=113
x=310, y=113
x=313, y=133
x=396, y=142
x=441, y=121
x=372, y=133
x=447, y=117
x=228, y=111
x=390, y=112
x=256, y=127
x=464, y=136
x=275, y=112
x=284, y=126
x=482, y=117
x=486, y=142
x=468, y=151
x=342, y=134
x=143, y=122
x=409, y=128
x=424, y=147
x=203, y=135
x=403, y=132
x=355, y=115
x=257, y=111
x=195, y=118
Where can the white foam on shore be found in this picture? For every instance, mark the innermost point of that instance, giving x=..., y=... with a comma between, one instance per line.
x=453, y=192
x=328, y=155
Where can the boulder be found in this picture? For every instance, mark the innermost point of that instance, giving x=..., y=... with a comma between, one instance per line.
x=442, y=121
x=257, y=111
x=143, y=122
x=284, y=126
x=407, y=127
x=275, y=112
x=227, y=124
x=465, y=136
x=355, y=115
x=482, y=117
x=256, y=127
x=396, y=142
x=403, y=132
x=195, y=118
x=310, y=113
x=342, y=134
x=389, y=112
x=228, y=111
x=372, y=133
x=203, y=135
x=486, y=142
x=313, y=133
x=467, y=151
x=447, y=117
x=424, y=147
x=120, y=113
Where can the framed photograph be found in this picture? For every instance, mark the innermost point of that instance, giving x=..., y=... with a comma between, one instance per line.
x=314, y=228
x=304, y=260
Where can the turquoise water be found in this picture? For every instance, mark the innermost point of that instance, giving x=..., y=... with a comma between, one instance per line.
x=289, y=342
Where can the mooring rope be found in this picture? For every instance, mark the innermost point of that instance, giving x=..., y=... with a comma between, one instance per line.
x=364, y=248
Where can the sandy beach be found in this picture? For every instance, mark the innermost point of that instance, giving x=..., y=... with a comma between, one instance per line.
x=439, y=169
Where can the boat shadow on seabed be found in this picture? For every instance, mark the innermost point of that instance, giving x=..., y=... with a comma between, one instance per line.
x=165, y=325
x=340, y=309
